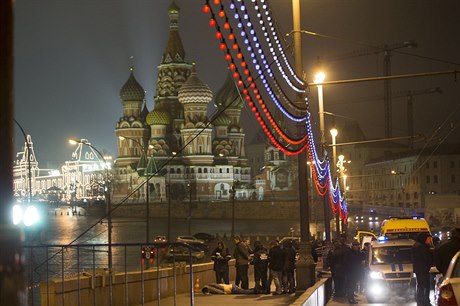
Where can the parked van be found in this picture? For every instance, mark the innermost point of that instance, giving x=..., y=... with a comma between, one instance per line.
x=390, y=269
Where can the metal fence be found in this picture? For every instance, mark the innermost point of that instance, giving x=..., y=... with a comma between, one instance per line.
x=48, y=266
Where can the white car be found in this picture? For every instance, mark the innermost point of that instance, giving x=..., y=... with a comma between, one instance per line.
x=448, y=292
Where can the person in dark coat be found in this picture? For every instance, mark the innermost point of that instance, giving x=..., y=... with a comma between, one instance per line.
x=444, y=252
x=289, y=252
x=221, y=256
x=241, y=255
x=365, y=266
x=260, y=263
x=422, y=261
x=338, y=264
x=275, y=265
x=354, y=259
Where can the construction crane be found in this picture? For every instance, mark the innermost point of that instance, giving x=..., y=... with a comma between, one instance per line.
x=410, y=109
x=386, y=49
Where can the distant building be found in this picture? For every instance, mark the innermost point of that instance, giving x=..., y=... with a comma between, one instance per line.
x=82, y=177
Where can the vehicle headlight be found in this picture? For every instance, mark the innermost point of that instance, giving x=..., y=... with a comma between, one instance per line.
x=377, y=289
x=376, y=275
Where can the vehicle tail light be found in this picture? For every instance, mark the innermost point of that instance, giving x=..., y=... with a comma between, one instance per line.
x=446, y=295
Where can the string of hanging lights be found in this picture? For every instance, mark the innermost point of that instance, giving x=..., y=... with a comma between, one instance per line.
x=252, y=85
x=320, y=168
x=256, y=53
x=272, y=32
x=249, y=35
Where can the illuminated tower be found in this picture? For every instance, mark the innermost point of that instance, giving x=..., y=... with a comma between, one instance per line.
x=132, y=125
x=172, y=73
x=196, y=134
x=229, y=139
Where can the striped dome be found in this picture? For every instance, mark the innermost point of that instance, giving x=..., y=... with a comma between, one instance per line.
x=132, y=91
x=222, y=120
x=158, y=117
x=194, y=90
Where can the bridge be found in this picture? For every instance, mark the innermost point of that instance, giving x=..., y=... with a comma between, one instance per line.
x=75, y=275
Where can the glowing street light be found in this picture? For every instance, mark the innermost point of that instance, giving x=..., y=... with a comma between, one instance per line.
x=334, y=132
x=319, y=78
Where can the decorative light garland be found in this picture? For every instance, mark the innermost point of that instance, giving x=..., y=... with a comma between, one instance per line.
x=280, y=48
x=320, y=168
x=233, y=67
x=258, y=57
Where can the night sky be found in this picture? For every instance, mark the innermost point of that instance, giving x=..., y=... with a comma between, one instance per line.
x=73, y=56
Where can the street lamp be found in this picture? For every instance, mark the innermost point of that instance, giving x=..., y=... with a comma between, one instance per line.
x=334, y=133
x=108, y=206
x=233, y=193
x=147, y=192
x=342, y=178
x=189, y=217
x=29, y=167
x=319, y=79
x=305, y=272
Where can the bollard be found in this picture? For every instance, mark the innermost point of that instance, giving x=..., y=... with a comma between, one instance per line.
x=197, y=287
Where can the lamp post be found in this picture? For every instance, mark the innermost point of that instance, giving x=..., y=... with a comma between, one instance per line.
x=233, y=193
x=147, y=190
x=305, y=272
x=319, y=79
x=189, y=217
x=29, y=167
x=108, y=205
x=168, y=186
x=342, y=182
x=334, y=134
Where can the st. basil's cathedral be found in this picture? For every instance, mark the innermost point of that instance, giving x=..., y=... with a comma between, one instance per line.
x=177, y=144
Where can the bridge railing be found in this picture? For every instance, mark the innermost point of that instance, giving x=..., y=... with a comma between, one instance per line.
x=79, y=275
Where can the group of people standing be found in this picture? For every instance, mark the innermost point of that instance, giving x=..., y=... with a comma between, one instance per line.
x=275, y=264
x=425, y=255
x=348, y=266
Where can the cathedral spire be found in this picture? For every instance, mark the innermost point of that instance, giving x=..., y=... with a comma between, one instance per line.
x=174, y=50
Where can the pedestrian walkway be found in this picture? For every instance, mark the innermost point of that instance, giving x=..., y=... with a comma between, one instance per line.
x=230, y=299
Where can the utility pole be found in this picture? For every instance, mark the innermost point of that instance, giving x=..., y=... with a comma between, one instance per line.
x=12, y=285
x=305, y=271
x=189, y=217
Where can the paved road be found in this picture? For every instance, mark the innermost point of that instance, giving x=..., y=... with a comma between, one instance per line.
x=269, y=300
